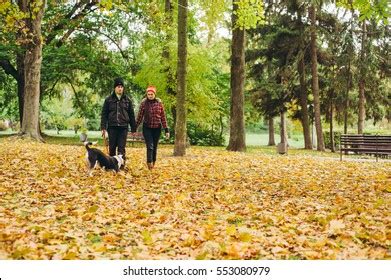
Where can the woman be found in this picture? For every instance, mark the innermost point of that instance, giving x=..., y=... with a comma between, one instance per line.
x=153, y=116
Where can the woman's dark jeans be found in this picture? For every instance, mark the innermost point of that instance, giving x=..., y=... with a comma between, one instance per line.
x=151, y=137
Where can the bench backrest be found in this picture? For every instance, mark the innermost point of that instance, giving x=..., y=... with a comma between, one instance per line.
x=368, y=140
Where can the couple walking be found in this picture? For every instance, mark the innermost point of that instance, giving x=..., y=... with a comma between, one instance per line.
x=118, y=113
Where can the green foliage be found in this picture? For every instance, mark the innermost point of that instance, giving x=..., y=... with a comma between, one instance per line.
x=203, y=136
x=85, y=64
x=272, y=58
x=214, y=13
x=250, y=13
x=84, y=61
x=128, y=39
x=327, y=139
x=207, y=87
x=378, y=10
x=8, y=100
x=75, y=123
x=55, y=112
x=11, y=18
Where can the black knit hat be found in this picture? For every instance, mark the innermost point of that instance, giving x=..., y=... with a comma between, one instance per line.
x=118, y=82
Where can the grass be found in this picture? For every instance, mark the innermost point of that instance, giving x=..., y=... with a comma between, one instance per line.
x=258, y=139
x=69, y=137
x=65, y=137
x=256, y=143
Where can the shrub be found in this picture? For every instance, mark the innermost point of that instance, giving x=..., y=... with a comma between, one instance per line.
x=327, y=139
x=93, y=124
x=203, y=136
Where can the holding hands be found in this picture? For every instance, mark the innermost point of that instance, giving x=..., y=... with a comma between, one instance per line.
x=167, y=135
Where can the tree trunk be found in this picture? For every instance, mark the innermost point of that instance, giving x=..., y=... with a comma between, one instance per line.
x=283, y=130
x=304, y=106
x=237, y=139
x=21, y=85
x=361, y=83
x=20, y=57
x=221, y=126
x=345, y=118
x=349, y=76
x=282, y=147
x=303, y=98
x=180, y=127
x=173, y=113
x=315, y=82
x=332, y=144
x=32, y=70
x=272, y=141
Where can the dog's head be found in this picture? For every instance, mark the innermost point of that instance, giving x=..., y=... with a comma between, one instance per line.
x=120, y=160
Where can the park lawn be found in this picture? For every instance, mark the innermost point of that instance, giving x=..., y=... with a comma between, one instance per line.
x=210, y=204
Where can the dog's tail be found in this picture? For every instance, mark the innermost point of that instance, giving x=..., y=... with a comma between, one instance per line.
x=87, y=144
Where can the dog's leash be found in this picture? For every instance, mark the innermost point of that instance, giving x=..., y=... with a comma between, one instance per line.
x=105, y=142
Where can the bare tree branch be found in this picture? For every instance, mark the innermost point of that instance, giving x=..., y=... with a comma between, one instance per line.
x=71, y=16
x=9, y=68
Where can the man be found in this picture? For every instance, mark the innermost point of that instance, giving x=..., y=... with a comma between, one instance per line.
x=117, y=114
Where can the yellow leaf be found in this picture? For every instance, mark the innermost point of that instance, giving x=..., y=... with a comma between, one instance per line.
x=245, y=237
x=70, y=256
x=231, y=230
x=110, y=238
x=46, y=235
x=99, y=247
x=201, y=256
x=138, y=194
x=147, y=238
x=379, y=202
x=93, y=209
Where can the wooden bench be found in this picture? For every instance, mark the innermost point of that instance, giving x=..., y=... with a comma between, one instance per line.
x=136, y=137
x=378, y=145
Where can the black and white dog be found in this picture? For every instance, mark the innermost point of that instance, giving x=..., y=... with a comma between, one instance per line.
x=95, y=156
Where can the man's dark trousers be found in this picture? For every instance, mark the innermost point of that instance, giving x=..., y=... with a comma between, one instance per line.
x=117, y=139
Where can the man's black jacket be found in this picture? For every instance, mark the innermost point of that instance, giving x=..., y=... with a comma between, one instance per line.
x=118, y=112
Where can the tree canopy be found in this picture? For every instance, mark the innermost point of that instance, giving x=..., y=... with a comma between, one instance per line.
x=86, y=44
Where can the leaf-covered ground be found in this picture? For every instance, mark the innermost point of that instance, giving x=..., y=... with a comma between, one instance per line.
x=210, y=204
